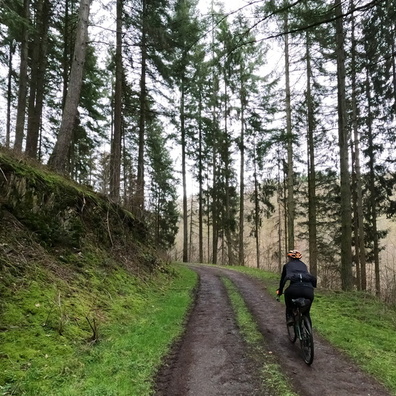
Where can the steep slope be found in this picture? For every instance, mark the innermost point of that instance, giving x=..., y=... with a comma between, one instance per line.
x=66, y=254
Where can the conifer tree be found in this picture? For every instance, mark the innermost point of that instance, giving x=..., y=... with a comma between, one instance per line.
x=185, y=36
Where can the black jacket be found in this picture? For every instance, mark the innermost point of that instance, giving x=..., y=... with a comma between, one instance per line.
x=296, y=271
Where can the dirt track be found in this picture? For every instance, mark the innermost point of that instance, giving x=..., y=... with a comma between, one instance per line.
x=212, y=359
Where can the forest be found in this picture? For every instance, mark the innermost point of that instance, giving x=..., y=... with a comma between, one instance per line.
x=218, y=120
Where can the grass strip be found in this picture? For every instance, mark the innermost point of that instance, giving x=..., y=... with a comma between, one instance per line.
x=271, y=375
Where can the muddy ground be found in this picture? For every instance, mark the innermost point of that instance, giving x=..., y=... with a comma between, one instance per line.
x=212, y=358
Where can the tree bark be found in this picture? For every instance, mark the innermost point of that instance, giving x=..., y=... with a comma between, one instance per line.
x=359, y=235
x=11, y=51
x=23, y=80
x=372, y=164
x=200, y=178
x=184, y=172
x=242, y=180
x=139, y=201
x=59, y=158
x=313, y=249
x=37, y=84
x=115, y=164
x=256, y=213
x=346, y=226
x=289, y=139
x=228, y=217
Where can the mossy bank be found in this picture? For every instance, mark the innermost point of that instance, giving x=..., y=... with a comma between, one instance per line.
x=78, y=277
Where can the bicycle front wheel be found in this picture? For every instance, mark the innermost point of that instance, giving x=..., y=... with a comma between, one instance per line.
x=307, y=343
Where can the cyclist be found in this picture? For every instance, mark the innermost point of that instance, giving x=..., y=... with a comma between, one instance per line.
x=302, y=283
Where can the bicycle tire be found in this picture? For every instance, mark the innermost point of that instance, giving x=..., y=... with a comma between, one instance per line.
x=307, y=342
x=291, y=332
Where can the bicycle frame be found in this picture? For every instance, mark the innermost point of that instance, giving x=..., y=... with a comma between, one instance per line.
x=301, y=329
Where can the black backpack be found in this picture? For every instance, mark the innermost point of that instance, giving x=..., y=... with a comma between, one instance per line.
x=303, y=277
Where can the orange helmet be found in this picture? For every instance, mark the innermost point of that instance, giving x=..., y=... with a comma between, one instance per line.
x=294, y=254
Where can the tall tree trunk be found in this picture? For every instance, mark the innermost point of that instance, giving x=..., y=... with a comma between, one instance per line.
x=359, y=236
x=115, y=159
x=394, y=74
x=289, y=138
x=228, y=217
x=140, y=182
x=190, y=241
x=372, y=165
x=242, y=182
x=214, y=211
x=66, y=58
x=280, y=215
x=200, y=180
x=184, y=172
x=59, y=157
x=313, y=249
x=256, y=213
x=209, y=259
x=346, y=226
x=37, y=84
x=23, y=80
x=215, y=214
x=11, y=51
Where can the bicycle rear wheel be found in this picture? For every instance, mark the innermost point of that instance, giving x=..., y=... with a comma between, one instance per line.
x=307, y=343
x=291, y=332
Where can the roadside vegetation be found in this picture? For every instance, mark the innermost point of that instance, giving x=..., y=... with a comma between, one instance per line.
x=105, y=338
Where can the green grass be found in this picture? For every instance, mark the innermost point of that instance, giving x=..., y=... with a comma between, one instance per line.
x=355, y=322
x=363, y=327
x=47, y=325
x=46, y=348
x=270, y=371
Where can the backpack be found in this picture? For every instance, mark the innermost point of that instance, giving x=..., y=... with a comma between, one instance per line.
x=303, y=277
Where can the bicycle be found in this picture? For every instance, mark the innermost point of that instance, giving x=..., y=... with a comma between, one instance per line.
x=301, y=328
